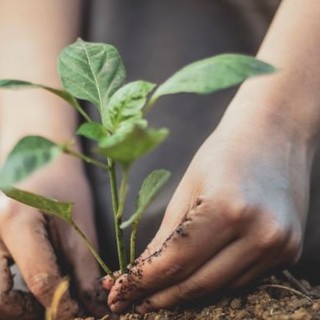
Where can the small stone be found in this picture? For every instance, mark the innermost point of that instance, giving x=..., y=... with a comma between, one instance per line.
x=235, y=303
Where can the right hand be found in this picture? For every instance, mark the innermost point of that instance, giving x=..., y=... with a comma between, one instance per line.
x=42, y=246
x=238, y=214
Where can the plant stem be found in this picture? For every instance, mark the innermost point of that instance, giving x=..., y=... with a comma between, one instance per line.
x=84, y=158
x=113, y=186
x=90, y=246
x=115, y=209
x=123, y=192
x=133, y=243
x=118, y=219
x=81, y=111
x=148, y=105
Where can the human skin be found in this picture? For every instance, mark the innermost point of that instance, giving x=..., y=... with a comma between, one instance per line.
x=32, y=33
x=241, y=208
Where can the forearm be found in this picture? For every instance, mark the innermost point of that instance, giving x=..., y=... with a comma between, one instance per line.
x=291, y=97
x=32, y=33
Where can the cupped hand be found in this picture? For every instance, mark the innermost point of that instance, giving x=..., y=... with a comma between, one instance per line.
x=44, y=248
x=238, y=213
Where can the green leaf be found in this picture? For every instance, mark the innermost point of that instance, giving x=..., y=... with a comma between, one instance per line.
x=151, y=186
x=131, y=142
x=19, y=84
x=91, y=71
x=211, y=74
x=62, y=210
x=92, y=130
x=28, y=155
x=126, y=103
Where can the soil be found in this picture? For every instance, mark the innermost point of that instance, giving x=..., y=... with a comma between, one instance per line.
x=275, y=298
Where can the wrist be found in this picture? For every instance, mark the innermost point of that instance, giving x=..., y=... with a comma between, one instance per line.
x=256, y=125
x=261, y=103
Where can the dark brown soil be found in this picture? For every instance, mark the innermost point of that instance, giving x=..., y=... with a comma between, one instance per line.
x=274, y=298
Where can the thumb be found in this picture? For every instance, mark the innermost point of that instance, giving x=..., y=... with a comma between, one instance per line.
x=183, y=200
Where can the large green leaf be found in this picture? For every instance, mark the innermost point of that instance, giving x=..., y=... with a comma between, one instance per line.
x=92, y=130
x=126, y=103
x=151, y=186
x=130, y=142
x=211, y=74
x=20, y=84
x=28, y=155
x=91, y=71
x=62, y=210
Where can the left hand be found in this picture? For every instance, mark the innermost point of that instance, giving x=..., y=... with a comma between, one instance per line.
x=45, y=248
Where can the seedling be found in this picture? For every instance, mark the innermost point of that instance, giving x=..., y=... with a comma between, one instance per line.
x=95, y=73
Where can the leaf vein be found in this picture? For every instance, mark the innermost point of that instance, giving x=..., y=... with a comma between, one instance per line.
x=93, y=74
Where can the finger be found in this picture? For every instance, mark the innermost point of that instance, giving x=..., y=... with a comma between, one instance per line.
x=254, y=273
x=15, y=304
x=216, y=273
x=85, y=272
x=175, y=259
x=239, y=264
x=26, y=238
x=107, y=281
x=272, y=263
x=84, y=265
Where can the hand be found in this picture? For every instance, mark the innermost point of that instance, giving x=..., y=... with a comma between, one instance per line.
x=238, y=213
x=44, y=247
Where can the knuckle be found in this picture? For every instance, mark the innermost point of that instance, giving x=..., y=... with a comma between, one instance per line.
x=19, y=305
x=274, y=236
x=293, y=250
x=173, y=271
x=190, y=290
x=12, y=210
x=7, y=207
x=235, y=215
x=231, y=208
x=235, y=210
x=42, y=285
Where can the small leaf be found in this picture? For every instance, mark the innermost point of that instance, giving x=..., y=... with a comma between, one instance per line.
x=151, y=186
x=126, y=103
x=130, y=142
x=62, y=210
x=91, y=71
x=211, y=74
x=92, y=130
x=28, y=155
x=19, y=84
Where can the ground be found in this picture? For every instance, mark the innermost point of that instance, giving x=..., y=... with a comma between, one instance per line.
x=274, y=298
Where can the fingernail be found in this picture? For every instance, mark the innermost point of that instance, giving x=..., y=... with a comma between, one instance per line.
x=113, y=307
x=107, y=282
x=117, y=306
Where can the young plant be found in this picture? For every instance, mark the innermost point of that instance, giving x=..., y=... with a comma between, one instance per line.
x=95, y=73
